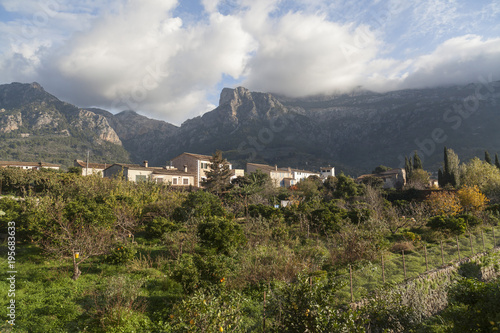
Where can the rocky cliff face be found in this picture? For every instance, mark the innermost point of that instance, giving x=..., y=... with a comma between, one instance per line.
x=10, y=122
x=29, y=115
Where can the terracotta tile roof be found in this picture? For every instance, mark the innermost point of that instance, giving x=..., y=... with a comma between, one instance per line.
x=83, y=164
x=132, y=166
x=197, y=156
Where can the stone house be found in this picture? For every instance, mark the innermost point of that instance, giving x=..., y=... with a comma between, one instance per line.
x=161, y=175
x=200, y=165
x=281, y=177
x=91, y=168
x=394, y=178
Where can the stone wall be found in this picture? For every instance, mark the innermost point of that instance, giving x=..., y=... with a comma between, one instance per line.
x=427, y=294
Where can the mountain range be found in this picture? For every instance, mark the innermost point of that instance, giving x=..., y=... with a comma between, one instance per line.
x=354, y=132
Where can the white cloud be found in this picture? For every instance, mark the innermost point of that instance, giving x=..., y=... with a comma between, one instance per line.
x=458, y=60
x=132, y=54
x=304, y=54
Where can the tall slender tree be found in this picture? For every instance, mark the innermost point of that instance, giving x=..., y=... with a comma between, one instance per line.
x=408, y=167
x=497, y=162
x=450, y=174
x=417, y=162
x=487, y=157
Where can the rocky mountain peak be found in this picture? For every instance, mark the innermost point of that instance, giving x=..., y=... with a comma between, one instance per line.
x=229, y=95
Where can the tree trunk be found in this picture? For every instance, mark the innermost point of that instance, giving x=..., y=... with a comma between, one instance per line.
x=76, y=270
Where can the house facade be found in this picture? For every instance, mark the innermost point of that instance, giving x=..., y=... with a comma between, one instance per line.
x=326, y=172
x=196, y=163
x=138, y=173
x=281, y=177
x=200, y=166
x=394, y=178
x=91, y=168
x=29, y=165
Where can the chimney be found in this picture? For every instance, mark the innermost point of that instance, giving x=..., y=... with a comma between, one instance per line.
x=185, y=168
x=275, y=167
x=145, y=163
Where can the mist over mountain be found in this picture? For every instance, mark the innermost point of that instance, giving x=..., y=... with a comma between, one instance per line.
x=354, y=132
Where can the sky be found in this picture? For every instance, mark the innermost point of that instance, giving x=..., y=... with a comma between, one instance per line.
x=169, y=59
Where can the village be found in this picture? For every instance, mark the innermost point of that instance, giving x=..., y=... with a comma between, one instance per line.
x=189, y=170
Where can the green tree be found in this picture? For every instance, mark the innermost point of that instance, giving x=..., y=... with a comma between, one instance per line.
x=220, y=234
x=474, y=306
x=487, y=157
x=345, y=187
x=380, y=169
x=408, y=166
x=305, y=307
x=482, y=174
x=218, y=177
x=419, y=179
x=73, y=229
x=451, y=172
x=417, y=162
x=199, y=204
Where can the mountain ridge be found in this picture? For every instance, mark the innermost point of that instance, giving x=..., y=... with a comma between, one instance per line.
x=354, y=132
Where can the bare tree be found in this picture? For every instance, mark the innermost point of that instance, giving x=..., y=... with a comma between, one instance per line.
x=64, y=235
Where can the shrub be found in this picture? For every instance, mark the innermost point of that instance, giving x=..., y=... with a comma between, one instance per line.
x=120, y=254
x=266, y=212
x=402, y=246
x=448, y=224
x=444, y=203
x=159, y=226
x=186, y=273
x=211, y=310
x=221, y=234
x=302, y=307
x=472, y=199
x=199, y=204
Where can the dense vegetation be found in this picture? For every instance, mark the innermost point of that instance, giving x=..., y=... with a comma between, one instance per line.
x=107, y=255
x=63, y=149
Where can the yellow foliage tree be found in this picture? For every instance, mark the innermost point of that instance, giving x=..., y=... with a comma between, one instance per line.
x=444, y=203
x=471, y=198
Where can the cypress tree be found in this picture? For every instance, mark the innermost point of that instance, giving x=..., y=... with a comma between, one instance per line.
x=487, y=157
x=408, y=167
x=497, y=163
x=445, y=176
x=417, y=162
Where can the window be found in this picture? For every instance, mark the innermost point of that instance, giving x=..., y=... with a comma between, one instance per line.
x=174, y=181
x=204, y=165
x=159, y=180
x=185, y=181
x=140, y=178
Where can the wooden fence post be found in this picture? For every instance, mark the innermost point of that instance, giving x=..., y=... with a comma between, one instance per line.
x=352, y=293
x=494, y=239
x=458, y=249
x=470, y=240
x=426, y=262
x=383, y=269
x=482, y=236
x=404, y=263
x=442, y=254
